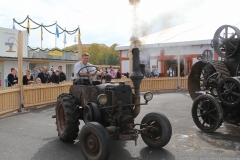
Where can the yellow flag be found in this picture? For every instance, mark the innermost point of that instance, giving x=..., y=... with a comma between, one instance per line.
x=28, y=27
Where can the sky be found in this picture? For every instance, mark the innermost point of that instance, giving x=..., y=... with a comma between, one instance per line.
x=110, y=21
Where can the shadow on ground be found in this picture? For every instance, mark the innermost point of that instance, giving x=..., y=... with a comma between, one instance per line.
x=227, y=137
x=58, y=150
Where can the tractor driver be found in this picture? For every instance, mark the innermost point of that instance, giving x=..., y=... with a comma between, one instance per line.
x=82, y=77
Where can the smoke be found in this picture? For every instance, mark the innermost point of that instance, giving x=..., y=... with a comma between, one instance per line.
x=135, y=26
x=134, y=2
x=176, y=15
x=172, y=17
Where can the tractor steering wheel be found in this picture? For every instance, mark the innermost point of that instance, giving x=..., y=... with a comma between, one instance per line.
x=88, y=72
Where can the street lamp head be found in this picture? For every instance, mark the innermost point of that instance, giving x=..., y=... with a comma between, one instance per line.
x=10, y=49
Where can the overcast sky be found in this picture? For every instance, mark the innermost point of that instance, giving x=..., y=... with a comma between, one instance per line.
x=110, y=21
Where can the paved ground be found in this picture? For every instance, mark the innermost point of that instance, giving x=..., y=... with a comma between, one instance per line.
x=33, y=135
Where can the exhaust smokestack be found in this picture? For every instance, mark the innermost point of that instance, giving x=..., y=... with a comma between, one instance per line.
x=136, y=77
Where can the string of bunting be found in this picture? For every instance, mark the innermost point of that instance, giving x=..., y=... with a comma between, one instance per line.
x=44, y=26
x=54, y=49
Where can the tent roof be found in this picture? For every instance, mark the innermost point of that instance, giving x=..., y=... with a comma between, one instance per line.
x=194, y=33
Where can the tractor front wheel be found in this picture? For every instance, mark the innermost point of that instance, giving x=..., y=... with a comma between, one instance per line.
x=160, y=132
x=94, y=141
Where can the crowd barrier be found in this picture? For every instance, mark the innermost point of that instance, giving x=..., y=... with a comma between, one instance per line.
x=9, y=99
x=45, y=94
x=158, y=84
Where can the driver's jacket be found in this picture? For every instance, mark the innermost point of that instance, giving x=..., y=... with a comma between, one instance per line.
x=80, y=65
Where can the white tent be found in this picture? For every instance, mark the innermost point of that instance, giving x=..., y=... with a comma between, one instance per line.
x=195, y=33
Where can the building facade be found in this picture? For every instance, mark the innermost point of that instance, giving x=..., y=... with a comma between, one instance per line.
x=161, y=50
x=31, y=58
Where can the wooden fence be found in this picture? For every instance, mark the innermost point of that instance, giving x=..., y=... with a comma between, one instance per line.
x=158, y=84
x=9, y=99
x=45, y=94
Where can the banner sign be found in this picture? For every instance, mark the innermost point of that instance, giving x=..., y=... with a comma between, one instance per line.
x=55, y=53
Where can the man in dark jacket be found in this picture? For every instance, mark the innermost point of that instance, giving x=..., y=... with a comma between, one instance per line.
x=12, y=77
x=43, y=75
x=61, y=74
x=55, y=77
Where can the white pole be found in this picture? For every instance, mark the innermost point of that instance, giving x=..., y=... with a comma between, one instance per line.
x=41, y=36
x=64, y=40
x=179, y=83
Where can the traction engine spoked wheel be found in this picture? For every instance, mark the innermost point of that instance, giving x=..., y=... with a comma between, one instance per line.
x=94, y=141
x=160, y=133
x=206, y=75
x=226, y=41
x=229, y=92
x=197, y=80
x=207, y=113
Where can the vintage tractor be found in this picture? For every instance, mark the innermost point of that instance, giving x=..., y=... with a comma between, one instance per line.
x=214, y=86
x=108, y=111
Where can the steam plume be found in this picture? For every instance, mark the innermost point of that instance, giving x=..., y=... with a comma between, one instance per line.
x=135, y=28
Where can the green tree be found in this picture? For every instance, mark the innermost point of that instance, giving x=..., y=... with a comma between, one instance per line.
x=114, y=55
x=100, y=55
x=94, y=51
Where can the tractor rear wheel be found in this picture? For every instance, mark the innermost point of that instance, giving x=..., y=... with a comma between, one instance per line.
x=67, y=117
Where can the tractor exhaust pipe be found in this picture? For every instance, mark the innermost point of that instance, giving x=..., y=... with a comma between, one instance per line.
x=136, y=77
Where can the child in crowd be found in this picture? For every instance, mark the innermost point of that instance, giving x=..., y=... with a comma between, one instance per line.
x=38, y=81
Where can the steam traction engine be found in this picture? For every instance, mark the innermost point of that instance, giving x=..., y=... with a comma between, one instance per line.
x=214, y=86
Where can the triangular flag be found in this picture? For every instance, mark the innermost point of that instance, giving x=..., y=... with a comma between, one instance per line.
x=14, y=25
x=41, y=34
x=75, y=39
x=28, y=27
x=57, y=32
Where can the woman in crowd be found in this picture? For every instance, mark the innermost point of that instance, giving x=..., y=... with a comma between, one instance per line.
x=28, y=78
x=118, y=74
x=12, y=77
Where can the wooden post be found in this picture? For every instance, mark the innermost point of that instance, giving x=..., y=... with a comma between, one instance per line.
x=20, y=75
x=79, y=50
x=179, y=83
x=184, y=65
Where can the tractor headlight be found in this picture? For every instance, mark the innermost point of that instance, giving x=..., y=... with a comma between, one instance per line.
x=102, y=99
x=148, y=96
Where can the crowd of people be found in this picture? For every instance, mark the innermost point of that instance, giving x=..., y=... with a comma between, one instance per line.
x=38, y=77
x=151, y=74
x=56, y=76
x=114, y=74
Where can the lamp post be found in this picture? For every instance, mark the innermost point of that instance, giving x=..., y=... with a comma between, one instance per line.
x=20, y=52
